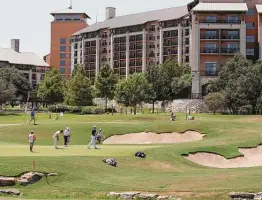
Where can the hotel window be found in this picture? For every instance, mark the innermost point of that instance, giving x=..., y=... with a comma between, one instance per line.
x=59, y=17
x=250, y=25
x=232, y=34
x=232, y=19
x=250, y=38
x=62, y=41
x=62, y=70
x=233, y=46
x=62, y=48
x=77, y=17
x=62, y=63
x=211, y=45
x=211, y=69
x=63, y=55
x=251, y=12
x=68, y=17
x=211, y=19
x=211, y=34
x=250, y=52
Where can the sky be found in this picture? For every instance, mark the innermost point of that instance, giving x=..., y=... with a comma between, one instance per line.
x=29, y=20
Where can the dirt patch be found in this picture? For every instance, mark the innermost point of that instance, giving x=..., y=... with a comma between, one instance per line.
x=252, y=157
x=153, y=138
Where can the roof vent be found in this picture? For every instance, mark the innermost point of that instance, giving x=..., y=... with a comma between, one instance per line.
x=15, y=45
x=110, y=12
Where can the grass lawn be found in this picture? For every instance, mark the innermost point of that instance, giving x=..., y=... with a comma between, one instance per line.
x=82, y=175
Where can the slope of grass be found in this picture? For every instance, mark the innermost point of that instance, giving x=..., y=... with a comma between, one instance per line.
x=82, y=175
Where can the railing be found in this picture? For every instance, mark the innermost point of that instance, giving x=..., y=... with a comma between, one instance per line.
x=230, y=50
x=209, y=50
x=152, y=38
x=230, y=37
x=209, y=36
x=152, y=46
x=220, y=21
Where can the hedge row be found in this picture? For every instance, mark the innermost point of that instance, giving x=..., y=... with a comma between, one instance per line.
x=88, y=110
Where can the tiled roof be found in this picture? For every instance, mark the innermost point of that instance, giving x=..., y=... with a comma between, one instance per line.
x=138, y=18
x=213, y=7
x=69, y=11
x=259, y=8
x=13, y=57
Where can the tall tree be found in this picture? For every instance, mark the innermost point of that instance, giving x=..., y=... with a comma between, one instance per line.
x=18, y=81
x=133, y=90
x=7, y=91
x=79, y=90
x=105, y=83
x=52, y=87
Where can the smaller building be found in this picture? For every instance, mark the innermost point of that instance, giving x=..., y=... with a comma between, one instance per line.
x=32, y=66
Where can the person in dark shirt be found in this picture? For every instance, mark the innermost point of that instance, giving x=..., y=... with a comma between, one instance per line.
x=32, y=117
x=93, y=138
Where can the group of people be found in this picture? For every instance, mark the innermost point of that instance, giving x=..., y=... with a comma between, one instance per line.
x=95, y=138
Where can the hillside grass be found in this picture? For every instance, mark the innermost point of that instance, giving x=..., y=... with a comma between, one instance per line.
x=82, y=175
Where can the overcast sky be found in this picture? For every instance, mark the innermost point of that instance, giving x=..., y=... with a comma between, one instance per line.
x=29, y=20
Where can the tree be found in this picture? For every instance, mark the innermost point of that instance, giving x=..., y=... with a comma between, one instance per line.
x=133, y=90
x=215, y=101
x=181, y=86
x=241, y=83
x=79, y=91
x=15, y=80
x=7, y=91
x=52, y=87
x=154, y=78
x=106, y=83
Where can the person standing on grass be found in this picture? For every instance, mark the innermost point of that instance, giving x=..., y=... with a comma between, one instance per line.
x=56, y=138
x=32, y=114
x=31, y=140
x=93, y=138
x=66, y=136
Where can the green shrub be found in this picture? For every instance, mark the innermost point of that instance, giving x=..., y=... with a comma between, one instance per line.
x=98, y=111
x=75, y=109
x=86, y=110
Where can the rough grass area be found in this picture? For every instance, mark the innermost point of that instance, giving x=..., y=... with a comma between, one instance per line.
x=83, y=175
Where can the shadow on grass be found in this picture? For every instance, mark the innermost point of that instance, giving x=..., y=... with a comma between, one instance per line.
x=2, y=113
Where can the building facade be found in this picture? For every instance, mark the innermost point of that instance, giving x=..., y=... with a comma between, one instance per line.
x=204, y=33
x=32, y=66
x=65, y=23
x=131, y=43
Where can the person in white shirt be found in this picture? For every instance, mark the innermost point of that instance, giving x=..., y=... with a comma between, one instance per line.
x=66, y=136
x=56, y=138
x=31, y=140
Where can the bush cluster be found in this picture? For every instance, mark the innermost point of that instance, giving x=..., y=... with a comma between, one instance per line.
x=87, y=110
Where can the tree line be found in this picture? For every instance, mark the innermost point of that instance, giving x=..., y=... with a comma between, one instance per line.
x=160, y=83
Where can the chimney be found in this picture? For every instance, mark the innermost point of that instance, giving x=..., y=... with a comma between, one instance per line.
x=15, y=45
x=110, y=12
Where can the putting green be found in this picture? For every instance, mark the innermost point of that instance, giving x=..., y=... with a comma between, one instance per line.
x=77, y=150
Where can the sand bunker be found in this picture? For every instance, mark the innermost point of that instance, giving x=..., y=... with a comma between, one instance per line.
x=153, y=138
x=252, y=157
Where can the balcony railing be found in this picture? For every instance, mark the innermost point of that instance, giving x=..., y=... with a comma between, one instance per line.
x=209, y=50
x=230, y=37
x=220, y=21
x=209, y=36
x=152, y=46
x=230, y=50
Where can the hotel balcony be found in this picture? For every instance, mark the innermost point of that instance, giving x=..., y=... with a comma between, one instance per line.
x=230, y=50
x=205, y=36
x=219, y=21
x=230, y=37
x=209, y=50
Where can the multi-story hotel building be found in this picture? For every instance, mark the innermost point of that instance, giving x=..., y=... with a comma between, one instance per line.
x=131, y=43
x=32, y=66
x=65, y=23
x=204, y=33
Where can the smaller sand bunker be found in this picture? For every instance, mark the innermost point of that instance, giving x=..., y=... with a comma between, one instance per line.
x=252, y=157
x=153, y=138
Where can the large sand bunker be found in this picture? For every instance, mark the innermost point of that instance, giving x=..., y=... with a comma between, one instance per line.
x=252, y=157
x=153, y=138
